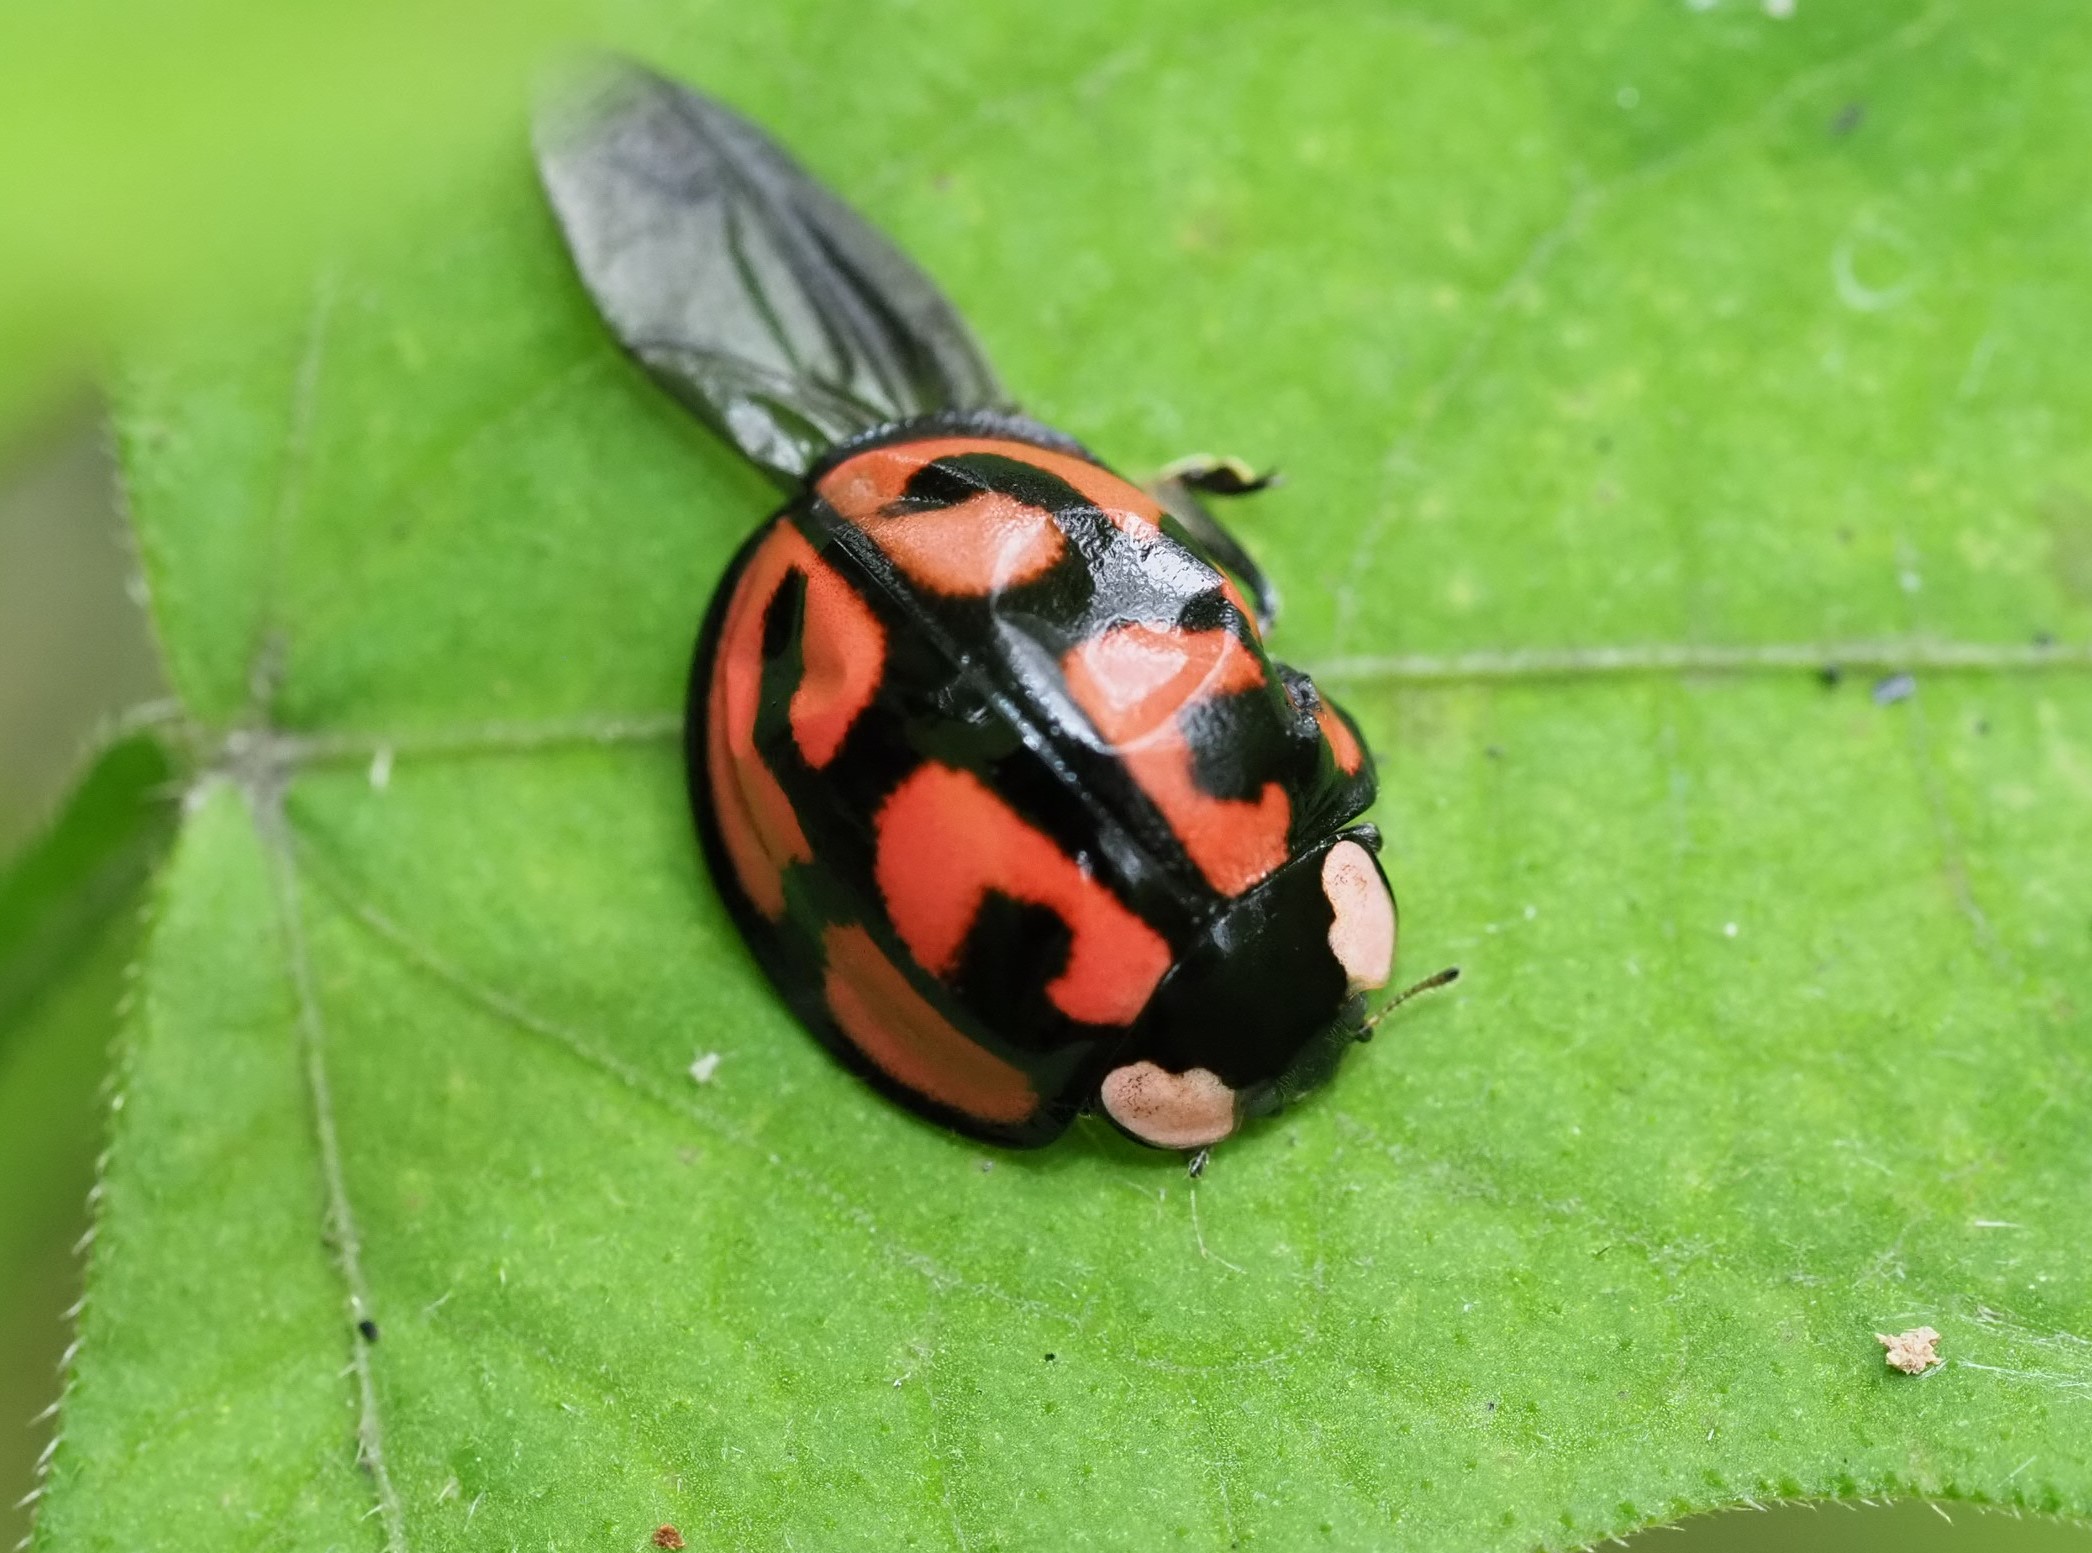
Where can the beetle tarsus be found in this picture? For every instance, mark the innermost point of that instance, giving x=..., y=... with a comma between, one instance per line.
x=1211, y=476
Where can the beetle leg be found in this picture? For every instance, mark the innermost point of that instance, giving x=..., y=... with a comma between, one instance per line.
x=1179, y=488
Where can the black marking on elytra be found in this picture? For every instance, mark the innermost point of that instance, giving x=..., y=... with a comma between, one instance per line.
x=957, y=477
x=1012, y=950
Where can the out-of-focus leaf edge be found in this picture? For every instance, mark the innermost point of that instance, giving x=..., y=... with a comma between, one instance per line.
x=63, y=900
x=61, y=889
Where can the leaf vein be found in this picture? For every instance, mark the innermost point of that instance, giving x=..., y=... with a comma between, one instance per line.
x=266, y=807
x=264, y=664
x=581, y=730
x=1885, y=654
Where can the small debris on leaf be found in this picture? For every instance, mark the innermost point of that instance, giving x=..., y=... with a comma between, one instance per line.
x=369, y=1329
x=701, y=1072
x=1913, y=1352
x=1897, y=687
x=667, y=1537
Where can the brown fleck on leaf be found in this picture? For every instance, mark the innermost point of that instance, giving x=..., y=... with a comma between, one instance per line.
x=667, y=1537
x=1913, y=1352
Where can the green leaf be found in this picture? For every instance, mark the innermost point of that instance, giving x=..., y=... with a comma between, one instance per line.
x=69, y=928
x=1717, y=337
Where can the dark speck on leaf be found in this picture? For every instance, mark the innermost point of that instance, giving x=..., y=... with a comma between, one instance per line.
x=1489, y=1406
x=369, y=1329
x=1493, y=752
x=1849, y=118
x=668, y=1537
x=2044, y=638
x=1049, y=1358
x=1897, y=687
x=1831, y=676
x=1982, y=726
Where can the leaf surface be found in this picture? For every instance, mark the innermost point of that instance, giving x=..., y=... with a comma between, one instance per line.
x=1708, y=334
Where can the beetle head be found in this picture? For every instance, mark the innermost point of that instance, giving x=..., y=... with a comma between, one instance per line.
x=1263, y=1009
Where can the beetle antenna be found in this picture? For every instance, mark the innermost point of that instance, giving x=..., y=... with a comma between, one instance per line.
x=1444, y=978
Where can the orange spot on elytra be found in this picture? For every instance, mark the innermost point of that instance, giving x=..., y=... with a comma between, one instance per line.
x=905, y=1036
x=982, y=546
x=991, y=540
x=945, y=840
x=1133, y=682
x=843, y=647
x=844, y=652
x=1343, y=743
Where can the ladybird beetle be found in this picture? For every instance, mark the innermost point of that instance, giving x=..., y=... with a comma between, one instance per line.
x=987, y=756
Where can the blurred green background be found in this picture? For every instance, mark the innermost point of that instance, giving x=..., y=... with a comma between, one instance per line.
x=154, y=165
x=74, y=656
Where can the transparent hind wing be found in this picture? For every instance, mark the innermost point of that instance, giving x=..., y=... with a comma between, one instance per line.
x=758, y=298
